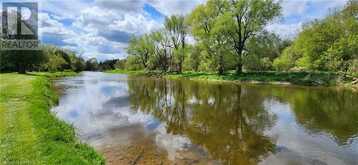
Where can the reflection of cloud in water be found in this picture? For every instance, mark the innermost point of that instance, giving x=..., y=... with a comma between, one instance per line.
x=299, y=144
x=172, y=143
x=97, y=105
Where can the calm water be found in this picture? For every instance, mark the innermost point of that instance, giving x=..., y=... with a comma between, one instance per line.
x=152, y=121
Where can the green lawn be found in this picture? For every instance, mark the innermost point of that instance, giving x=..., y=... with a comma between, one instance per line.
x=29, y=133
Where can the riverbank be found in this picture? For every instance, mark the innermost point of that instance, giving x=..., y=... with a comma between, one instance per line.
x=297, y=78
x=29, y=132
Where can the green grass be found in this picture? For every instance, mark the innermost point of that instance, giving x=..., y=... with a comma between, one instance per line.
x=29, y=132
x=135, y=72
x=53, y=74
x=299, y=78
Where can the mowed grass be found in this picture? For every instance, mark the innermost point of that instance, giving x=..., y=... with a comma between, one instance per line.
x=29, y=132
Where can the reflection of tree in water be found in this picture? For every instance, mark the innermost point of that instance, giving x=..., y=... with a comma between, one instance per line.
x=323, y=110
x=227, y=120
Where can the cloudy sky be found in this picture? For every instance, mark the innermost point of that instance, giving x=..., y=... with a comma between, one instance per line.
x=102, y=28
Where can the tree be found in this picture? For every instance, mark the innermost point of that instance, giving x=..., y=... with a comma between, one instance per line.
x=243, y=19
x=286, y=60
x=110, y=64
x=262, y=49
x=202, y=21
x=91, y=64
x=21, y=60
x=177, y=29
x=142, y=47
x=194, y=59
x=79, y=64
x=231, y=23
x=329, y=44
x=120, y=64
x=162, y=57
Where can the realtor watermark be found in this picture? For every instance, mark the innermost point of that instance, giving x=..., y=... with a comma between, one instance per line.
x=19, y=26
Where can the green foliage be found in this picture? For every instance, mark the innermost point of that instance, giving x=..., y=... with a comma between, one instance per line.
x=142, y=48
x=133, y=63
x=341, y=55
x=230, y=35
x=329, y=44
x=91, y=64
x=21, y=60
x=239, y=20
x=262, y=50
x=164, y=49
x=286, y=60
x=48, y=58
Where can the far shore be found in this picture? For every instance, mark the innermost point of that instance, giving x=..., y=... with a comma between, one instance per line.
x=325, y=79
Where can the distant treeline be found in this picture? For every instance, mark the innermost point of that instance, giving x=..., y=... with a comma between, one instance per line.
x=230, y=34
x=51, y=59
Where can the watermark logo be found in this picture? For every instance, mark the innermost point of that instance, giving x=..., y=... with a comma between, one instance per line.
x=19, y=26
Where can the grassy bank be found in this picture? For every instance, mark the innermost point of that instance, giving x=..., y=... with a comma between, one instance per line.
x=132, y=72
x=54, y=74
x=298, y=78
x=29, y=133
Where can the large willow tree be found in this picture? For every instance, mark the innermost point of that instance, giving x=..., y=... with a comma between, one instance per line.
x=233, y=22
x=177, y=30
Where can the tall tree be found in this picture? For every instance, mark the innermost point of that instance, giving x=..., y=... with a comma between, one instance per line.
x=141, y=47
x=243, y=19
x=177, y=29
x=231, y=23
x=202, y=21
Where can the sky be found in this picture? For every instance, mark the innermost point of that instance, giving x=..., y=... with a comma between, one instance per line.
x=102, y=28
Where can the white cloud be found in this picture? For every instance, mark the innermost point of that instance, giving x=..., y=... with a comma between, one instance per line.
x=94, y=27
x=175, y=7
x=135, y=23
x=293, y=7
x=122, y=5
x=295, y=13
x=287, y=31
x=63, y=8
x=52, y=26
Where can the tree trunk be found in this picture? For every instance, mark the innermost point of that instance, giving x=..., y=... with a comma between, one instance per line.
x=238, y=68
x=221, y=70
x=221, y=65
x=180, y=67
x=21, y=69
x=239, y=65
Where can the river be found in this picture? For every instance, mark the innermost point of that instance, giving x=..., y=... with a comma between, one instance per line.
x=142, y=120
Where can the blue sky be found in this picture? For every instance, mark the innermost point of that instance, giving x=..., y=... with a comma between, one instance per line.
x=102, y=28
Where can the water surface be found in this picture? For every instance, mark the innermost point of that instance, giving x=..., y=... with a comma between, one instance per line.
x=140, y=120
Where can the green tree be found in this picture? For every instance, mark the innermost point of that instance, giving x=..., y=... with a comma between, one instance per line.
x=262, y=49
x=286, y=60
x=141, y=47
x=242, y=19
x=79, y=64
x=91, y=64
x=21, y=60
x=202, y=21
x=329, y=44
x=177, y=30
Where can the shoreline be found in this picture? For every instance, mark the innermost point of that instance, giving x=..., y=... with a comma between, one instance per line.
x=32, y=133
x=309, y=79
